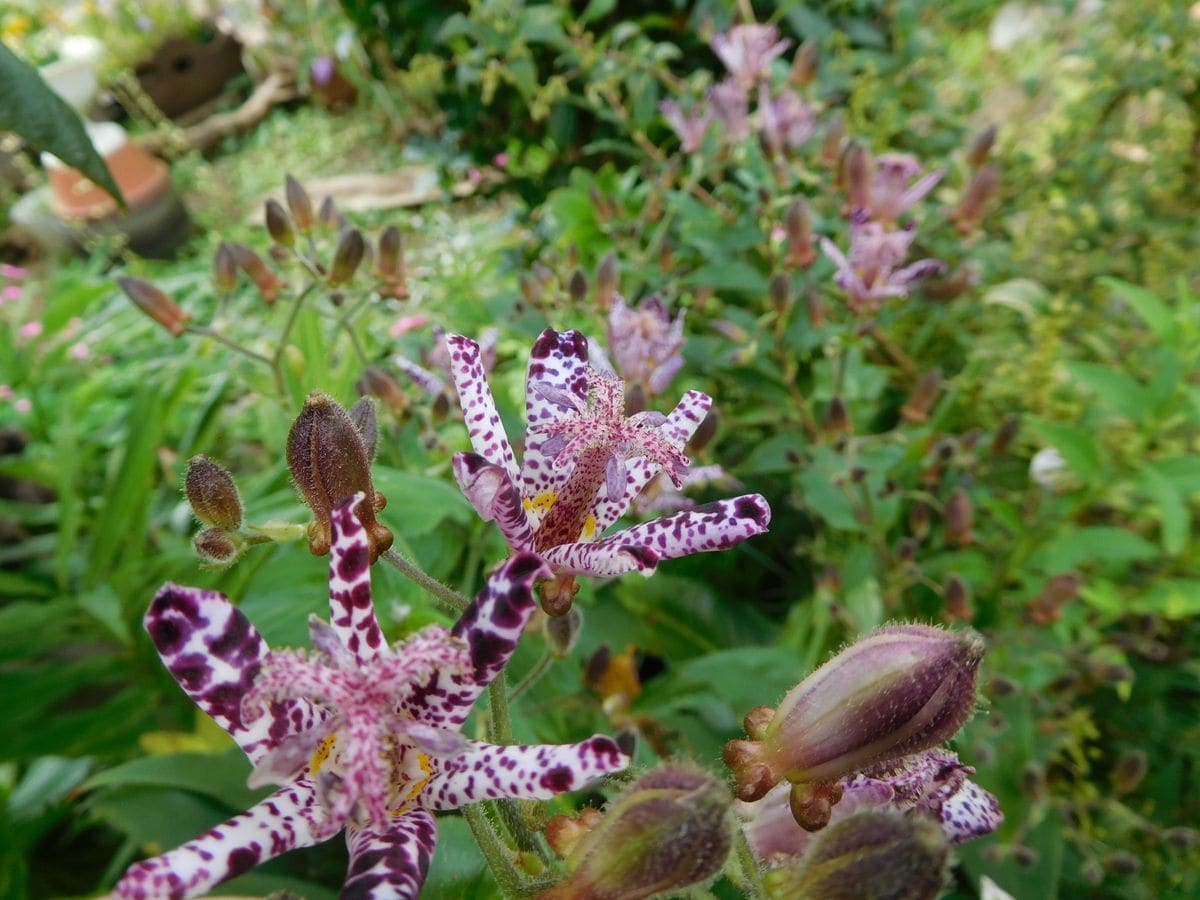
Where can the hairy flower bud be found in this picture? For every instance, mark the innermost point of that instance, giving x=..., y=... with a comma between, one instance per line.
x=218, y=547
x=377, y=382
x=856, y=166
x=799, y=236
x=563, y=631
x=981, y=146
x=956, y=599
x=299, y=204
x=836, y=420
x=362, y=414
x=279, y=224
x=606, y=281
x=924, y=395
x=225, y=268
x=389, y=263
x=252, y=264
x=154, y=303
x=983, y=186
x=960, y=518
x=900, y=690
x=329, y=462
x=577, y=286
x=347, y=257
x=670, y=829
x=805, y=63
x=779, y=288
x=872, y=853
x=213, y=495
x=831, y=142
x=327, y=214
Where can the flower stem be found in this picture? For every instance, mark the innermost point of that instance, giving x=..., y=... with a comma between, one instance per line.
x=450, y=597
x=203, y=331
x=533, y=676
x=750, y=875
x=493, y=850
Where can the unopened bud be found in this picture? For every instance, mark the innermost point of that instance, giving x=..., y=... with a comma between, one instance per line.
x=362, y=414
x=327, y=214
x=780, y=291
x=960, y=518
x=635, y=398
x=607, y=277
x=299, y=203
x=816, y=309
x=671, y=829
x=836, y=420
x=1131, y=768
x=225, y=269
x=212, y=494
x=218, y=547
x=956, y=599
x=981, y=146
x=390, y=262
x=154, y=303
x=252, y=264
x=906, y=549
x=871, y=853
x=531, y=289
x=378, y=383
x=1182, y=838
x=347, y=257
x=798, y=225
x=983, y=186
x=924, y=395
x=805, y=63
x=919, y=520
x=330, y=464
x=577, y=286
x=563, y=631
x=1005, y=434
x=857, y=165
x=831, y=142
x=900, y=690
x=1123, y=863
x=279, y=225
x=564, y=832
x=666, y=255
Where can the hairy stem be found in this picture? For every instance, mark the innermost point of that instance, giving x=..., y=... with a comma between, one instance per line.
x=450, y=597
x=493, y=850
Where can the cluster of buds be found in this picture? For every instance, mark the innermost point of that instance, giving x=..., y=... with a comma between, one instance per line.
x=215, y=500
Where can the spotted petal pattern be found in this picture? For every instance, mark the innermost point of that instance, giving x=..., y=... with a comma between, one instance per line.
x=556, y=385
x=479, y=407
x=351, y=612
x=289, y=818
x=391, y=863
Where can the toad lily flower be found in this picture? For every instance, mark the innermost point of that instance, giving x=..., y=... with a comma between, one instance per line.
x=870, y=275
x=891, y=194
x=689, y=127
x=646, y=343
x=362, y=737
x=747, y=51
x=584, y=463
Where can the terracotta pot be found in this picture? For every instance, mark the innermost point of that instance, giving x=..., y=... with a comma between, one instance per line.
x=141, y=177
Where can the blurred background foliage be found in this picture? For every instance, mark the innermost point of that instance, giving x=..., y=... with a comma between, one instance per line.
x=1066, y=334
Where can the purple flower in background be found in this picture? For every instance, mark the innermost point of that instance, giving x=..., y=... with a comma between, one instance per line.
x=662, y=497
x=869, y=276
x=584, y=463
x=439, y=358
x=363, y=737
x=689, y=127
x=787, y=121
x=933, y=783
x=646, y=343
x=747, y=51
x=892, y=190
x=732, y=109
x=322, y=70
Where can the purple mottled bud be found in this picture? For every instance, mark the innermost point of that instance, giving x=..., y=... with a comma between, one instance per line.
x=577, y=286
x=225, y=268
x=362, y=414
x=154, y=303
x=671, y=829
x=252, y=264
x=299, y=203
x=981, y=146
x=347, y=257
x=960, y=518
x=923, y=396
x=218, y=547
x=983, y=186
x=213, y=495
x=872, y=853
x=279, y=224
x=900, y=690
x=330, y=464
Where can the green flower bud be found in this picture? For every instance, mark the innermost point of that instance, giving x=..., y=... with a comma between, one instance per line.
x=347, y=257
x=213, y=495
x=279, y=225
x=299, y=203
x=872, y=853
x=671, y=829
x=901, y=690
x=154, y=303
x=330, y=464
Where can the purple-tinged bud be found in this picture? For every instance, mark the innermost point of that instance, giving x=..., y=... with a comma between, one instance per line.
x=816, y=310
x=983, y=186
x=919, y=520
x=956, y=599
x=577, y=286
x=327, y=214
x=831, y=142
x=377, y=382
x=798, y=225
x=562, y=632
x=981, y=146
x=212, y=494
x=225, y=269
x=672, y=828
x=666, y=255
x=1131, y=768
x=299, y=203
x=252, y=264
x=218, y=547
x=607, y=276
x=960, y=518
x=362, y=414
x=154, y=303
x=347, y=257
x=805, y=63
x=779, y=289
x=330, y=464
x=871, y=853
x=900, y=690
x=857, y=166
x=1005, y=433
x=389, y=263
x=924, y=395
x=279, y=225
x=531, y=289
x=836, y=420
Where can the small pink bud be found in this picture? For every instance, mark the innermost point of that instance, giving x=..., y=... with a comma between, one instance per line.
x=211, y=491
x=154, y=303
x=900, y=690
x=31, y=329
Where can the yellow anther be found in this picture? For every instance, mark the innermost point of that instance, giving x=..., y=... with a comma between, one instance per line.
x=321, y=753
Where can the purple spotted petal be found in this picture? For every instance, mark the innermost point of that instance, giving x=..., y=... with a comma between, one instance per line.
x=614, y=477
x=289, y=818
x=970, y=812
x=556, y=386
x=494, y=497
x=526, y=772
x=420, y=376
x=214, y=653
x=391, y=863
x=604, y=558
x=351, y=612
x=479, y=407
x=679, y=427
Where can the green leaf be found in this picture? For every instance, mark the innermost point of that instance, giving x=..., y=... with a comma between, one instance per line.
x=30, y=108
x=1174, y=520
x=596, y=9
x=729, y=275
x=1077, y=446
x=1149, y=307
x=421, y=503
x=1113, y=547
x=1120, y=391
x=221, y=776
x=46, y=782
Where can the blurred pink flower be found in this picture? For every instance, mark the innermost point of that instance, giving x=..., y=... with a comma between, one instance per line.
x=500, y=160
x=688, y=127
x=787, y=121
x=10, y=271
x=732, y=109
x=405, y=324
x=31, y=329
x=80, y=351
x=747, y=51
x=6, y=392
x=10, y=292
x=23, y=405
